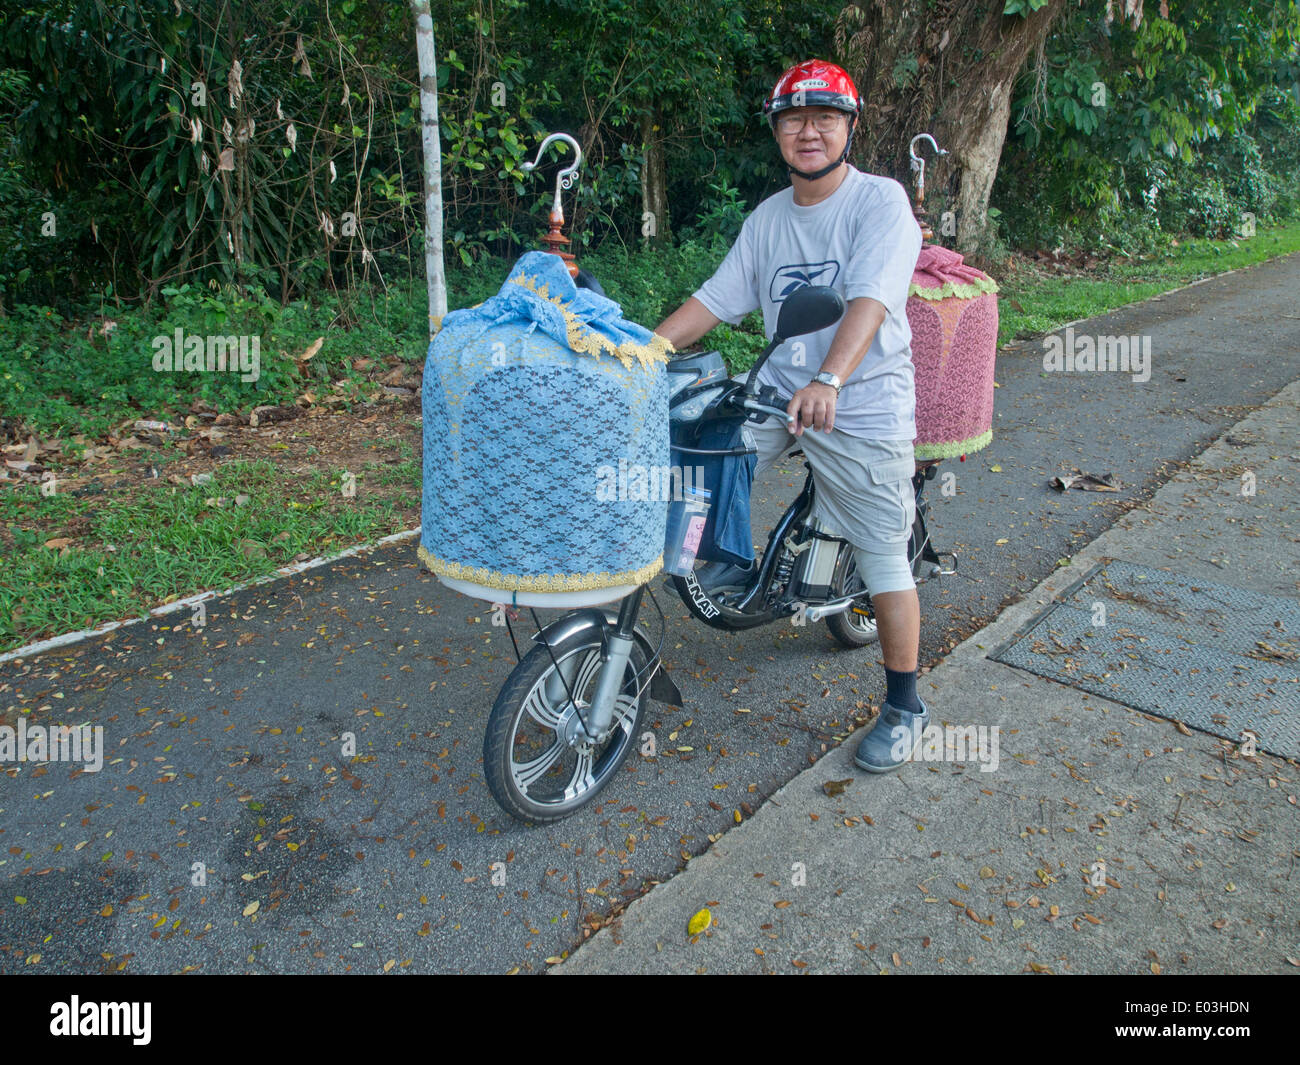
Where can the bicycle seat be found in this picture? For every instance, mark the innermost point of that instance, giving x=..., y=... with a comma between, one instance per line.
x=585, y=280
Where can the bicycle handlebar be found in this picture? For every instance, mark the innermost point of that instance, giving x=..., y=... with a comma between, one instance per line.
x=763, y=408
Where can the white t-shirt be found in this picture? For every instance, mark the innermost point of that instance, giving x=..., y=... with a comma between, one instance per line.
x=862, y=240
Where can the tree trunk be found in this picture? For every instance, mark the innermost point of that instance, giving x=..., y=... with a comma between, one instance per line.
x=654, y=181
x=433, y=255
x=944, y=67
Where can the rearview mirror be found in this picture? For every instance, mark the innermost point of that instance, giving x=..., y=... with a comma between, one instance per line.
x=808, y=310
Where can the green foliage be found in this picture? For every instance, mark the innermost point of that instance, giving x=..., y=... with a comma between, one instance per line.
x=1127, y=132
x=38, y=248
x=65, y=378
x=905, y=70
x=1023, y=7
x=1178, y=125
x=651, y=284
x=69, y=379
x=1030, y=304
x=670, y=68
x=211, y=144
x=114, y=137
x=721, y=214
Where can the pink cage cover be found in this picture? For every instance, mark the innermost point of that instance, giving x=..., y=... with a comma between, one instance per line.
x=953, y=311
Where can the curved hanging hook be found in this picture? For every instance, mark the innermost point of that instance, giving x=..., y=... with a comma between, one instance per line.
x=566, y=177
x=918, y=167
x=918, y=164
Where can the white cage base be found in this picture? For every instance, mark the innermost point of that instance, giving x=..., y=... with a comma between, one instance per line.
x=554, y=600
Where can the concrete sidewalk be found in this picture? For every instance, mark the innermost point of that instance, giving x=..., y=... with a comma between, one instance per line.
x=943, y=867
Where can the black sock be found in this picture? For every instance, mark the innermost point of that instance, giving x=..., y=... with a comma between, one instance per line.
x=900, y=690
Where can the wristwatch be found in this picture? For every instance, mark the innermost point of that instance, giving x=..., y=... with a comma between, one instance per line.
x=829, y=379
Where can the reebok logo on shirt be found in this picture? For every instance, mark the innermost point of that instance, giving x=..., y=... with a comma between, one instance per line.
x=788, y=279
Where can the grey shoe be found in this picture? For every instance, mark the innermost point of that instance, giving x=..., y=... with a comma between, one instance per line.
x=892, y=739
x=717, y=576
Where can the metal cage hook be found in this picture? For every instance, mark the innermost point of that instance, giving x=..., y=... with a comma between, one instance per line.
x=566, y=177
x=918, y=168
x=918, y=164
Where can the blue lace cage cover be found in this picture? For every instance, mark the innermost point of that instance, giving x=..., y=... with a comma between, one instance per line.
x=535, y=402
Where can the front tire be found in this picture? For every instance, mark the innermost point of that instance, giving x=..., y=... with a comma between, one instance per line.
x=536, y=771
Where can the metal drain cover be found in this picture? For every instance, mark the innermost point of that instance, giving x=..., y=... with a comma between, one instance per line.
x=1218, y=658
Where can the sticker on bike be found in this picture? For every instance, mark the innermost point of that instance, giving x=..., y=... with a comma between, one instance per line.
x=699, y=597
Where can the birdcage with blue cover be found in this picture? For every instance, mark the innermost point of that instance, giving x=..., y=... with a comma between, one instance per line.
x=537, y=404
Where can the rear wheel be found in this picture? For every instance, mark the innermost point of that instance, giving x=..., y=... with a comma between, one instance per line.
x=855, y=627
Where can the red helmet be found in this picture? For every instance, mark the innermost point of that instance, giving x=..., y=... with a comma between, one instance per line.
x=813, y=83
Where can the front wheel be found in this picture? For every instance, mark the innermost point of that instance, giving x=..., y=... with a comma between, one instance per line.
x=538, y=764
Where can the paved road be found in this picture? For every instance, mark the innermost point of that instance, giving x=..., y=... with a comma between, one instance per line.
x=224, y=743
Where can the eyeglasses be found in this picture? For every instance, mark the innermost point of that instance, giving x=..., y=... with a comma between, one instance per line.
x=823, y=123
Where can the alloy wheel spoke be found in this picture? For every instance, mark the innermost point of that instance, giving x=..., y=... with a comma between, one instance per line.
x=624, y=712
x=590, y=666
x=582, y=773
x=541, y=711
x=527, y=774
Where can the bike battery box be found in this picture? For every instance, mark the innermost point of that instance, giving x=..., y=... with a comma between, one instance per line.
x=816, y=570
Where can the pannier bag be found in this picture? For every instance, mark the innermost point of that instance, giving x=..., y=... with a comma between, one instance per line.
x=545, y=435
x=727, y=536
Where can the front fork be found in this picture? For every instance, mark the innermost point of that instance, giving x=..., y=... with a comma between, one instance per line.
x=618, y=649
x=618, y=635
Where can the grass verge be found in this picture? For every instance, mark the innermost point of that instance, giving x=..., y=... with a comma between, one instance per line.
x=1034, y=300
x=123, y=553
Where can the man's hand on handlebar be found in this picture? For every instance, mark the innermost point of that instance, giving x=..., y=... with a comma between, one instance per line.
x=813, y=406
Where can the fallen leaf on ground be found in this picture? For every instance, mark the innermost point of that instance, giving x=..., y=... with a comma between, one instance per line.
x=1266, y=652
x=1088, y=482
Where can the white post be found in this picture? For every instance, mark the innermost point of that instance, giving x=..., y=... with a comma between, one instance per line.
x=433, y=256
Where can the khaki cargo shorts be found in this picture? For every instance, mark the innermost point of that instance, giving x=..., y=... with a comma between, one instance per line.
x=864, y=487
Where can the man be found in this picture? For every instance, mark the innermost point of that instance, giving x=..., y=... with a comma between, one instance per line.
x=850, y=384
